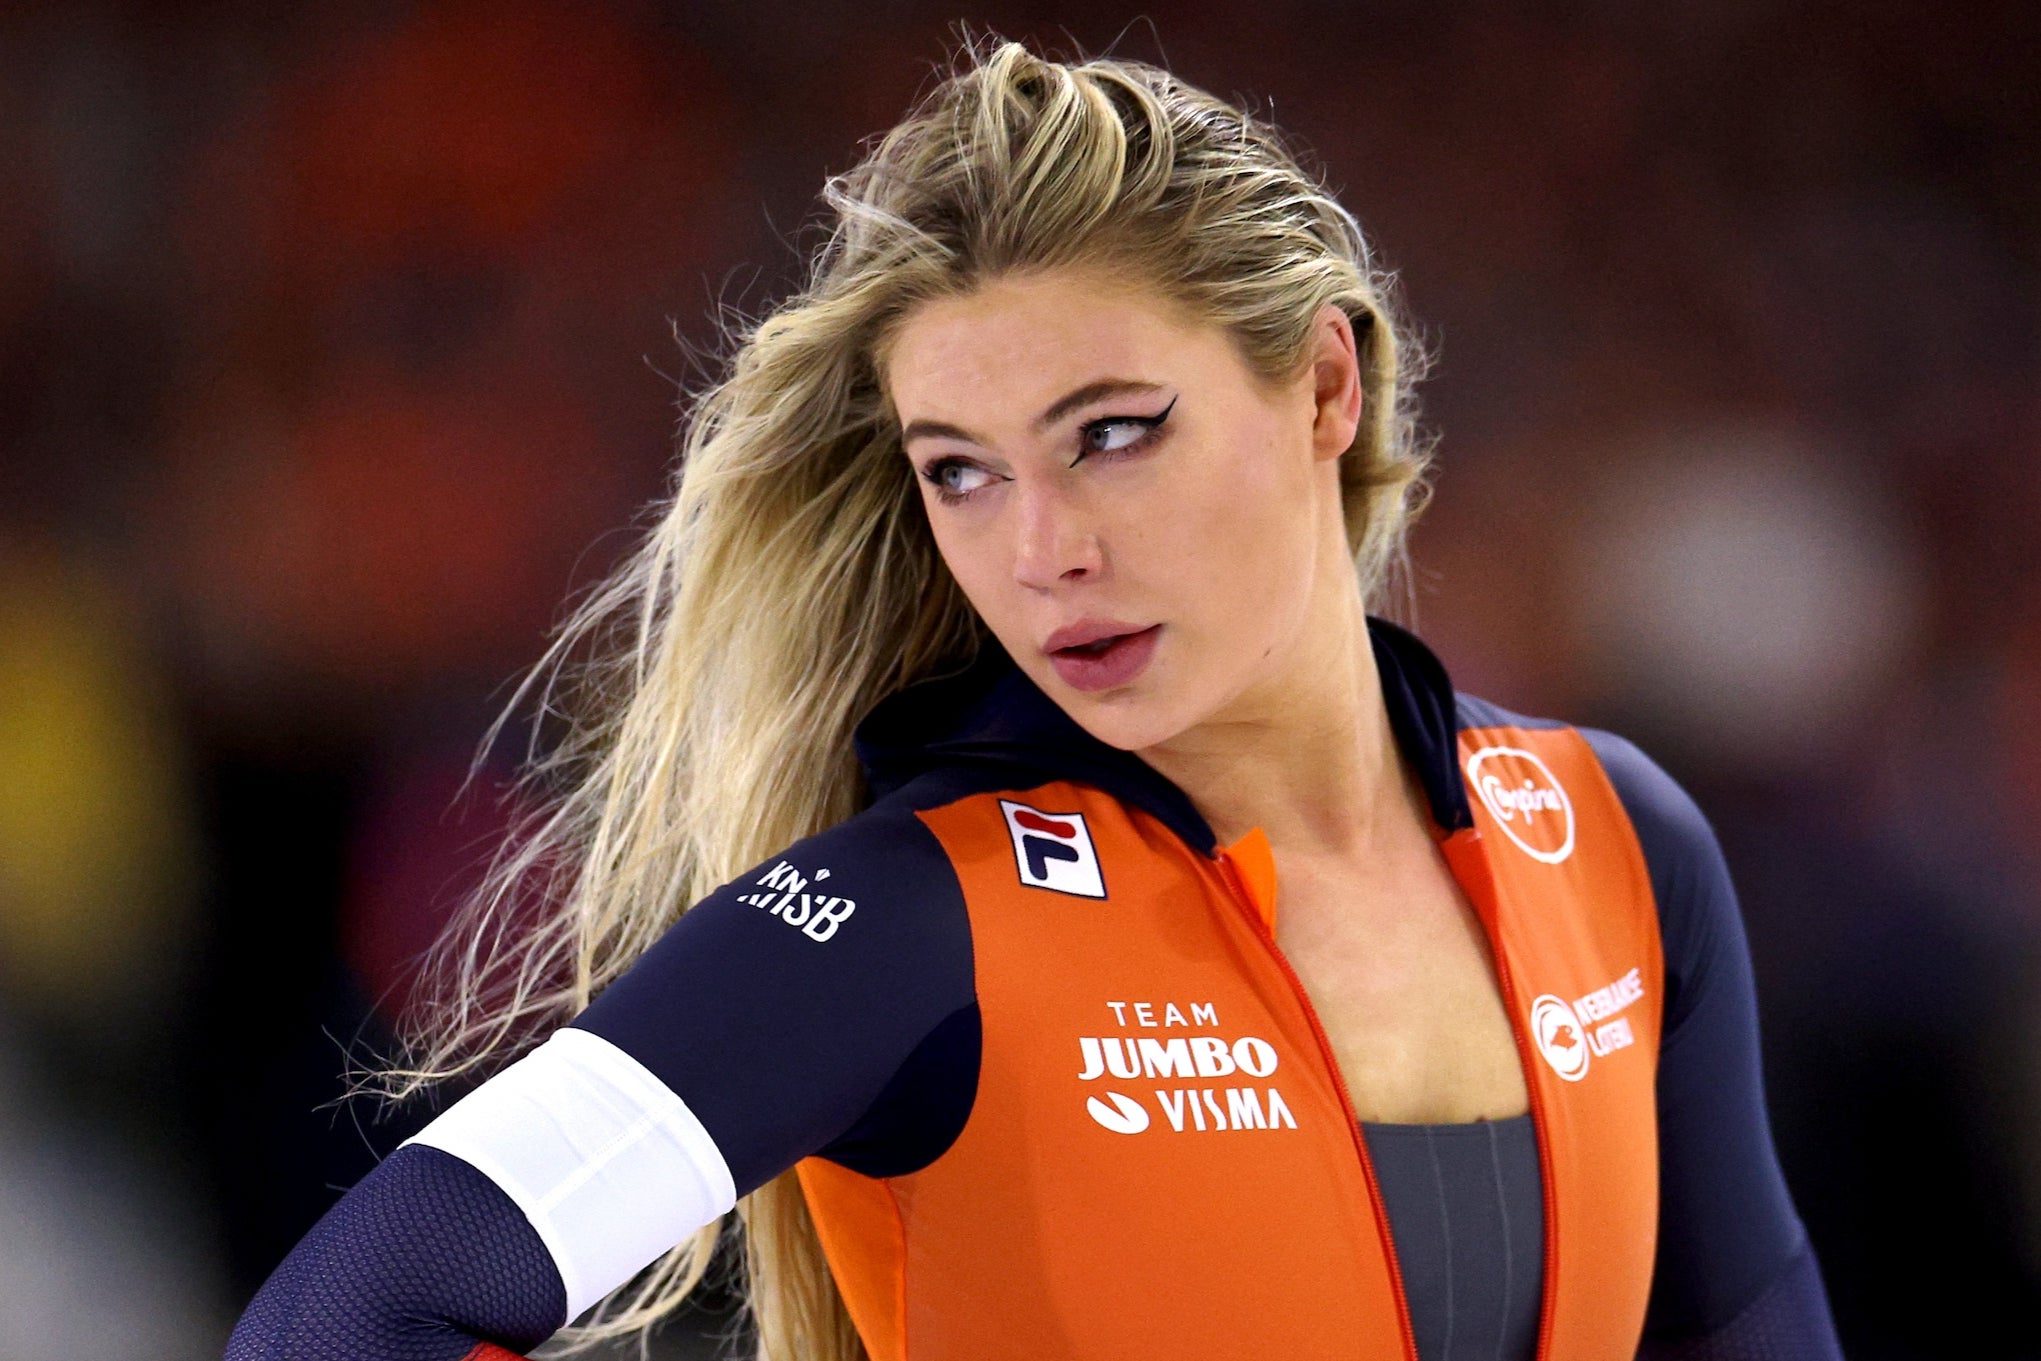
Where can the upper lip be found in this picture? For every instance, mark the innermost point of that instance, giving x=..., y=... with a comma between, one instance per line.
x=1089, y=631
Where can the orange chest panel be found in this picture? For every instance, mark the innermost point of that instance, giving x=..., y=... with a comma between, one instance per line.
x=1161, y=1158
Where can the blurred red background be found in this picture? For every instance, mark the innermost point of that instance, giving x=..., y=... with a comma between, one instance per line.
x=340, y=345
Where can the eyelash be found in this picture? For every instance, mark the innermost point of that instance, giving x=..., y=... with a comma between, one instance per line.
x=1151, y=426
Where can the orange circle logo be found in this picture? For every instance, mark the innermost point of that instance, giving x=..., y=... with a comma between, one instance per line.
x=1560, y=1037
x=1526, y=800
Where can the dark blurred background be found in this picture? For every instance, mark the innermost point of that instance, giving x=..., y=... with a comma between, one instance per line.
x=339, y=346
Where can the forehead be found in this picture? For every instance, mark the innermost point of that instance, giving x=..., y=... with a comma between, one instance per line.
x=1016, y=343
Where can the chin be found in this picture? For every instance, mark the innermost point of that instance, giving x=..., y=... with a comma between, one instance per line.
x=1128, y=718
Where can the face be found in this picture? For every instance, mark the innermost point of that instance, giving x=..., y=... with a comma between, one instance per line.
x=1151, y=529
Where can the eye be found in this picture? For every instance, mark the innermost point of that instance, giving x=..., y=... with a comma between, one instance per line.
x=955, y=479
x=1117, y=434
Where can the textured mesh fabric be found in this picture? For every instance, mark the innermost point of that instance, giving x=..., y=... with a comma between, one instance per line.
x=419, y=1262
x=1789, y=1322
x=1466, y=1206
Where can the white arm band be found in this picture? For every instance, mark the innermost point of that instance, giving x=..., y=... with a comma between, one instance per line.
x=604, y=1159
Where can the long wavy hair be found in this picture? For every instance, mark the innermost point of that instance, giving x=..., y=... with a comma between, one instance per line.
x=706, y=693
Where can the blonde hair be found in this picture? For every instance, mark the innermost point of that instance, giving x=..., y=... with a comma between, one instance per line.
x=792, y=581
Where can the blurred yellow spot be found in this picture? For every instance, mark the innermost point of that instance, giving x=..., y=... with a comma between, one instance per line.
x=94, y=844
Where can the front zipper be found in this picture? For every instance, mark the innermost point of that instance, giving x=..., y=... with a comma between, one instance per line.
x=1491, y=926
x=1245, y=905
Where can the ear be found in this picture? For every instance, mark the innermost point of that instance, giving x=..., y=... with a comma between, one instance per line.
x=1335, y=383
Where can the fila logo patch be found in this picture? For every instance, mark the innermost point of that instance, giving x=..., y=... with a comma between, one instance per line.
x=1053, y=850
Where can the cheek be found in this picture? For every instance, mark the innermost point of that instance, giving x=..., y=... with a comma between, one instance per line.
x=1246, y=540
x=975, y=559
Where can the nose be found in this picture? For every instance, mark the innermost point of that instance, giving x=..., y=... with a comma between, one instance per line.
x=1057, y=544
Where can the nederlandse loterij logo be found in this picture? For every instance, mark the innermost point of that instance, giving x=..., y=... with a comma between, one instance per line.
x=1559, y=1037
x=1569, y=1034
x=1053, y=850
x=786, y=897
x=1526, y=799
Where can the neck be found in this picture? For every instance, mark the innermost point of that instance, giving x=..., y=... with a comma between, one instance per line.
x=1307, y=755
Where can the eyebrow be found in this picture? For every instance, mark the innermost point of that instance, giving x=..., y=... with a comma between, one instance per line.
x=1058, y=409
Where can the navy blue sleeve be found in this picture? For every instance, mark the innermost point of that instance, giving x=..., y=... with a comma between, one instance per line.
x=821, y=1003
x=1732, y=1254
x=1789, y=1322
x=422, y=1260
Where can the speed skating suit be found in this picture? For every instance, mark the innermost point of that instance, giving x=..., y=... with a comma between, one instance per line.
x=1052, y=1091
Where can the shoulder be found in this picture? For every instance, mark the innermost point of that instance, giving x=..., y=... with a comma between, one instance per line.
x=882, y=859
x=1701, y=929
x=1670, y=827
x=886, y=834
x=1473, y=711
x=1697, y=913
x=784, y=1007
x=1688, y=874
x=871, y=902
x=882, y=868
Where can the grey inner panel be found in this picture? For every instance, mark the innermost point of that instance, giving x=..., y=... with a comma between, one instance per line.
x=1466, y=1209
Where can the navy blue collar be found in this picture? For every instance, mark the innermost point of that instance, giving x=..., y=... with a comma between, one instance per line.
x=991, y=718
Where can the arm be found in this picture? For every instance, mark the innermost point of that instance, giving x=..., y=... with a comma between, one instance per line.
x=761, y=1029
x=424, y=1260
x=1735, y=1277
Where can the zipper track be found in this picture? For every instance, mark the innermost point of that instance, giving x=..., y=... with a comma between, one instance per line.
x=1549, y=1292
x=1487, y=908
x=1245, y=905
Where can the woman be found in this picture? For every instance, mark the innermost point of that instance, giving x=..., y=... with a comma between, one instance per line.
x=1065, y=484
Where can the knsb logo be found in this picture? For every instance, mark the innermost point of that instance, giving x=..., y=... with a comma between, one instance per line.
x=785, y=896
x=1526, y=799
x=1124, y=1116
x=1559, y=1037
x=1053, y=850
